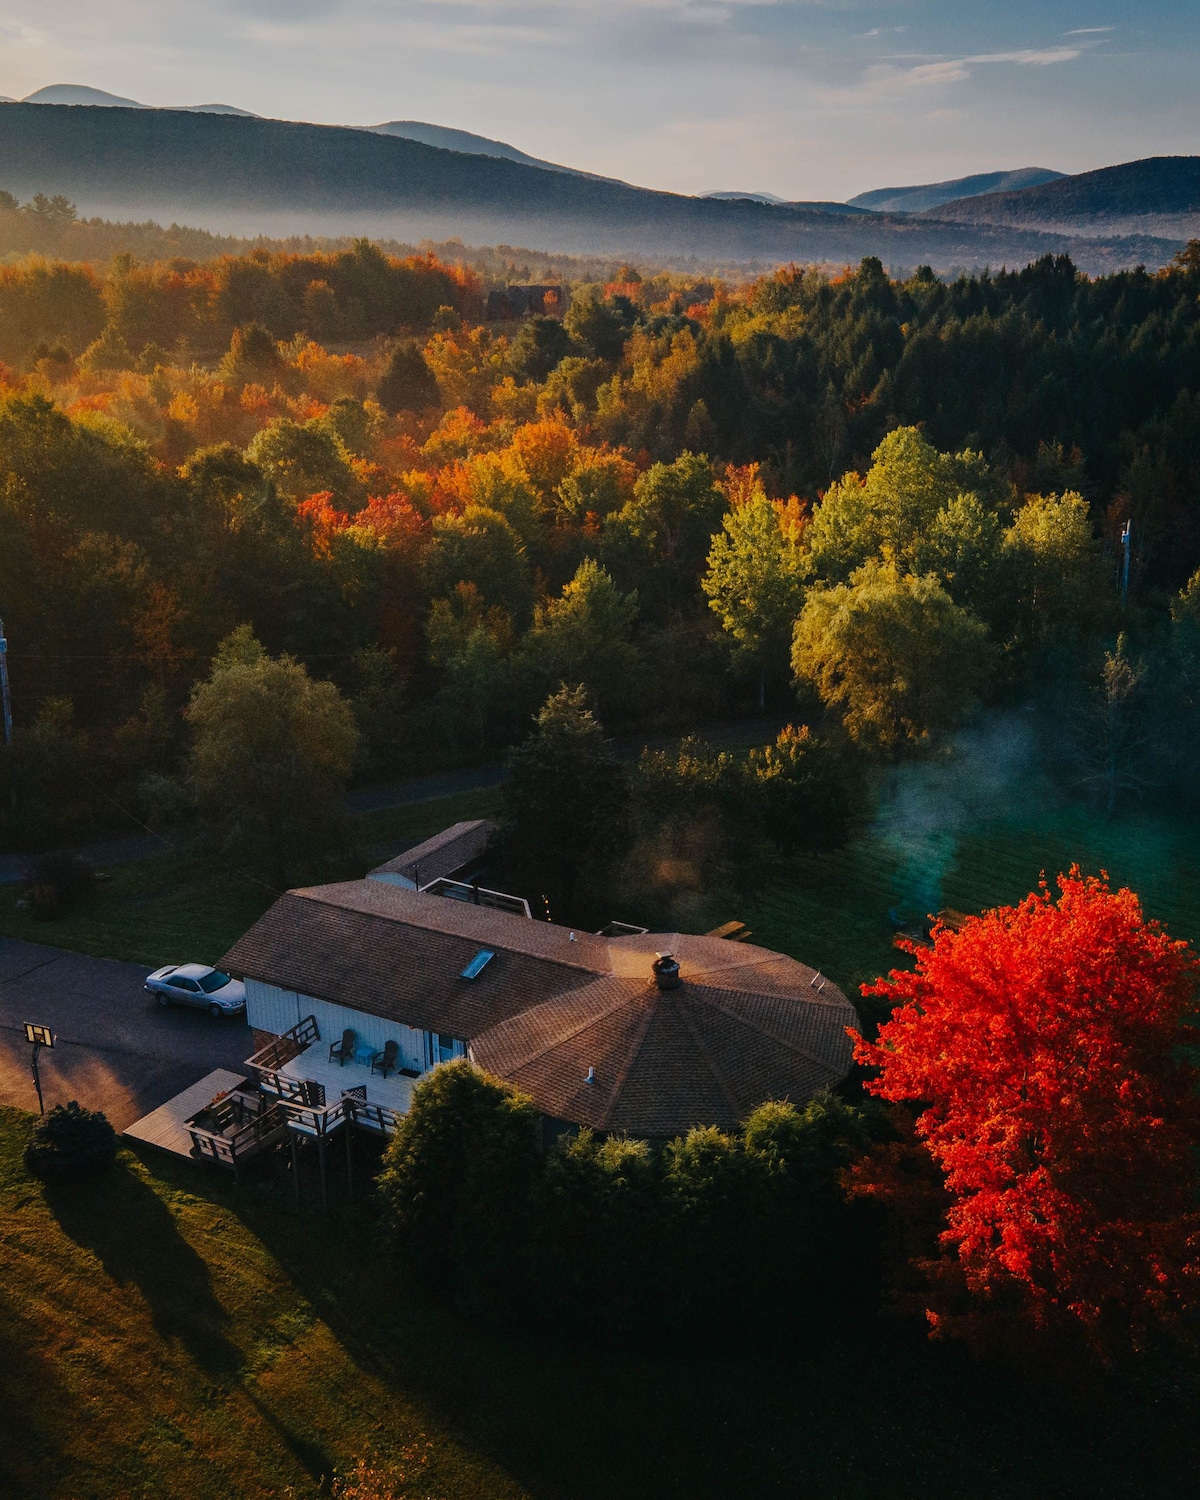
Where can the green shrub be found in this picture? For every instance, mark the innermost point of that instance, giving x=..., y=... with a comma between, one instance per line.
x=70, y=1141
x=710, y=1239
x=56, y=883
x=457, y=1184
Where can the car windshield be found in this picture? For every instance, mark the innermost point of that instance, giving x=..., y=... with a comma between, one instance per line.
x=214, y=981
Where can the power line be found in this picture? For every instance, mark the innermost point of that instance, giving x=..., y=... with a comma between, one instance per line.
x=162, y=838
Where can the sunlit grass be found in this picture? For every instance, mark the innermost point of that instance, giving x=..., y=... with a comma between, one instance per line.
x=165, y=1334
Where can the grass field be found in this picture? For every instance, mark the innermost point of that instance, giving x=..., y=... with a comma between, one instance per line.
x=164, y=1335
x=832, y=909
x=153, y=910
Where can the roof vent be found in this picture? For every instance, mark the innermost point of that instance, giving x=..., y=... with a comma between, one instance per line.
x=665, y=969
x=478, y=964
x=591, y=1076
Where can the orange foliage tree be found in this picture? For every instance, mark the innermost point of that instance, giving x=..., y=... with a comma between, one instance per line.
x=1046, y=1046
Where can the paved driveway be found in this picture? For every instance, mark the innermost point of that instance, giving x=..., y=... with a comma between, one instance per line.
x=118, y=1050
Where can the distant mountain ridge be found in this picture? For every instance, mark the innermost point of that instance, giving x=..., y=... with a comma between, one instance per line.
x=249, y=175
x=1159, y=195
x=449, y=139
x=80, y=94
x=913, y=200
x=732, y=197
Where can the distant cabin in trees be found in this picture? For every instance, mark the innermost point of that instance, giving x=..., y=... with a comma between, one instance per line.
x=507, y=303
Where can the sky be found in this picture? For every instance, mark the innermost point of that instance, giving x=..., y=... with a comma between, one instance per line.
x=809, y=99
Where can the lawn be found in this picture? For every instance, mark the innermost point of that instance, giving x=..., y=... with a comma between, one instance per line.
x=163, y=1334
x=832, y=910
x=151, y=911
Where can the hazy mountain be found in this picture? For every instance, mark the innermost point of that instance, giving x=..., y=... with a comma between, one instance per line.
x=914, y=200
x=234, y=174
x=79, y=93
x=821, y=207
x=732, y=197
x=450, y=139
x=1157, y=196
x=217, y=109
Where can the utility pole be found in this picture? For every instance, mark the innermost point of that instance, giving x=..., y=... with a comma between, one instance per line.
x=1126, y=542
x=7, y=701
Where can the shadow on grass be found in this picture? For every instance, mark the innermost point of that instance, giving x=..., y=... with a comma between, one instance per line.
x=133, y=1234
x=875, y=1410
x=311, y=1456
x=35, y=1407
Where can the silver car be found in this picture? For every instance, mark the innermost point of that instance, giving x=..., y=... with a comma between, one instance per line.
x=198, y=985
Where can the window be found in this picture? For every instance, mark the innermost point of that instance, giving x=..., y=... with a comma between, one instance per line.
x=189, y=985
x=478, y=964
x=214, y=981
x=449, y=1047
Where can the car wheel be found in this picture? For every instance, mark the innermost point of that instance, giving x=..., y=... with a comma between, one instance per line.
x=164, y=999
x=215, y=1011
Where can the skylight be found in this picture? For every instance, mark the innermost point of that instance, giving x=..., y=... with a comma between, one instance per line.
x=478, y=964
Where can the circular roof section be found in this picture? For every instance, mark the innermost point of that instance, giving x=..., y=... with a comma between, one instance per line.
x=744, y=1025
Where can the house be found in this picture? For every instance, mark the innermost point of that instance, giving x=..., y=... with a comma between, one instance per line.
x=643, y=1033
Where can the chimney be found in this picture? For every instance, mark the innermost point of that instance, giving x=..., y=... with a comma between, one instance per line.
x=665, y=969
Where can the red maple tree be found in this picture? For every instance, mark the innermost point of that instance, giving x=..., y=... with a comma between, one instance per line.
x=1047, y=1046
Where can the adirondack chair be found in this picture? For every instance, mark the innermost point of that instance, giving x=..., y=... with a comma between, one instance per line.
x=387, y=1060
x=344, y=1050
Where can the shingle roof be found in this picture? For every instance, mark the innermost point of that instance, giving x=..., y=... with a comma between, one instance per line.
x=745, y=1025
x=665, y=1060
x=443, y=855
x=363, y=953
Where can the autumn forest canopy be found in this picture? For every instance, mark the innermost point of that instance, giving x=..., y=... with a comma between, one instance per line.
x=903, y=500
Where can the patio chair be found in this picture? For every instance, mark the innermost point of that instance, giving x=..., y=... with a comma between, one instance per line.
x=387, y=1060
x=343, y=1051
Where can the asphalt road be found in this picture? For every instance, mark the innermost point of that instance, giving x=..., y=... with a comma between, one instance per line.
x=117, y=1050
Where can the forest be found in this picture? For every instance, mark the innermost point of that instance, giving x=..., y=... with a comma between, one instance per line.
x=868, y=506
x=283, y=521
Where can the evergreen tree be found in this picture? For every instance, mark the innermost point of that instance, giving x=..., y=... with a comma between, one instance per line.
x=565, y=803
x=407, y=383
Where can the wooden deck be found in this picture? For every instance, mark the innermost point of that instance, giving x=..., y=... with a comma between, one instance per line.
x=163, y=1127
x=394, y=1092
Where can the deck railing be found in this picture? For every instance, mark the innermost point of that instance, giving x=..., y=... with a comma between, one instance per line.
x=282, y=1049
x=285, y=1088
x=259, y=1132
x=233, y=1131
x=375, y=1117
x=316, y=1121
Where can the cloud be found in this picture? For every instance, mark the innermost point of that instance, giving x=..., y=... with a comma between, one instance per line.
x=886, y=79
x=1089, y=31
x=1030, y=56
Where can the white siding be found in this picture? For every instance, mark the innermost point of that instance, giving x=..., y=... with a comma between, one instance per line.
x=269, y=1008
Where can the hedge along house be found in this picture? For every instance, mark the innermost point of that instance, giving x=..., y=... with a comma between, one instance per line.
x=643, y=1033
